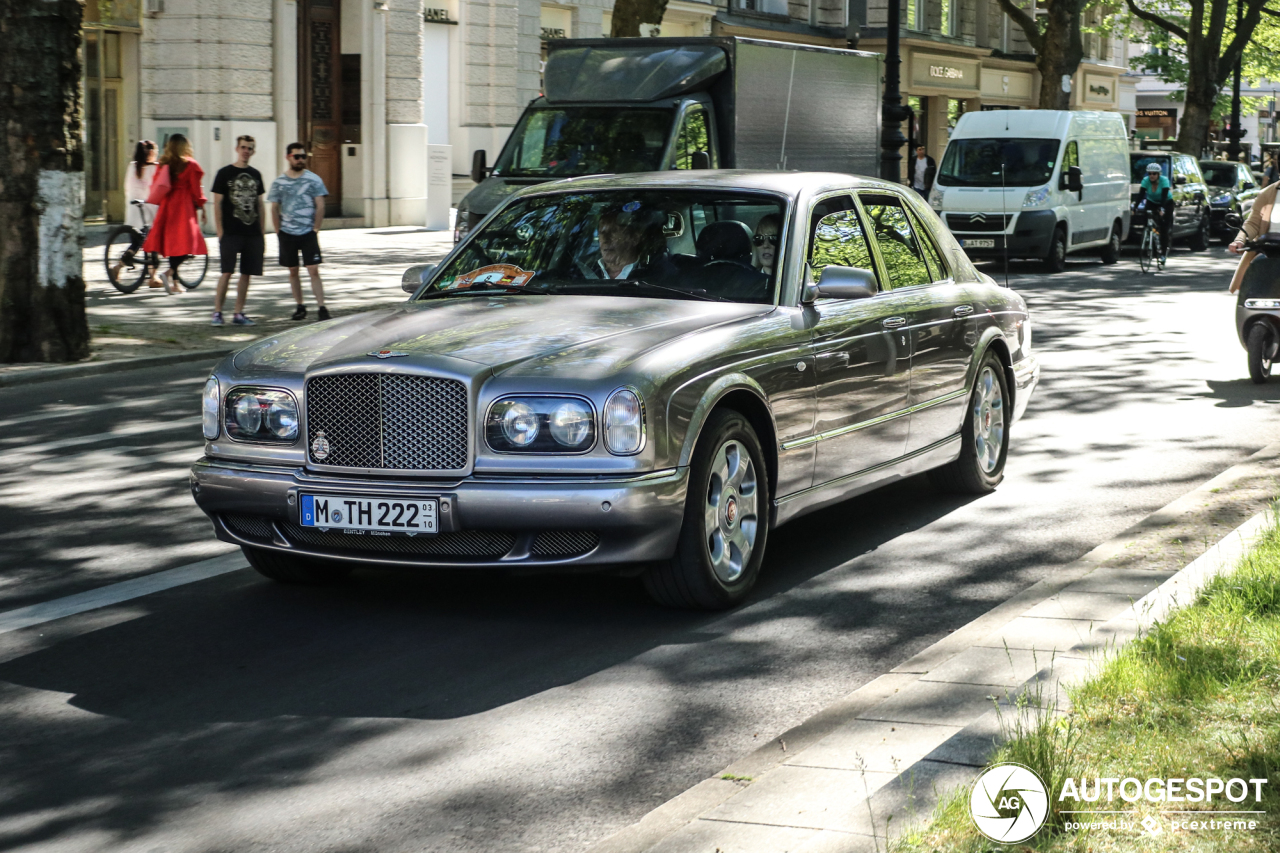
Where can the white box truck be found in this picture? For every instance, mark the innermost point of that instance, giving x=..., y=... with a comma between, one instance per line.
x=1036, y=184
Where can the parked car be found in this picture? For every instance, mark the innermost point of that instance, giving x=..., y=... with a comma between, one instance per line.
x=1232, y=189
x=1051, y=183
x=770, y=343
x=1192, y=220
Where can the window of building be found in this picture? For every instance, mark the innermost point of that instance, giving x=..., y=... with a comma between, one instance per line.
x=916, y=19
x=770, y=7
x=950, y=16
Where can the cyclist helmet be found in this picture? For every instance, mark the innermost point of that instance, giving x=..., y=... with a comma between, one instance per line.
x=1153, y=168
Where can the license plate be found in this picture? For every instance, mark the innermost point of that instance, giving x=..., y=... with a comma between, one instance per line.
x=978, y=244
x=379, y=515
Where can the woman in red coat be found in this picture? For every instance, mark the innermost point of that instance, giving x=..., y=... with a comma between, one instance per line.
x=176, y=189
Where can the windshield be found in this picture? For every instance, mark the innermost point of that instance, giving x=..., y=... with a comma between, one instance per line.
x=1221, y=175
x=666, y=244
x=562, y=143
x=1139, y=167
x=977, y=162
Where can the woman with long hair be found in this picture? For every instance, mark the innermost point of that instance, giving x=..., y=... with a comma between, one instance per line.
x=137, y=186
x=176, y=189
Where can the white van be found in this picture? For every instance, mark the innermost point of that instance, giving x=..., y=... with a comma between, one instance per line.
x=1039, y=183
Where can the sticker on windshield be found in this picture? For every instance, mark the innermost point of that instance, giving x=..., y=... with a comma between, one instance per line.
x=496, y=275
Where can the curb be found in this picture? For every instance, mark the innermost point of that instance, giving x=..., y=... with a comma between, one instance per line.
x=119, y=365
x=882, y=756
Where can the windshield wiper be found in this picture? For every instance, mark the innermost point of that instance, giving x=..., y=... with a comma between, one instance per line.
x=704, y=296
x=485, y=291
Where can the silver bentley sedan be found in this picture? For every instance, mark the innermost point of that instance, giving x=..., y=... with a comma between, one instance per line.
x=642, y=374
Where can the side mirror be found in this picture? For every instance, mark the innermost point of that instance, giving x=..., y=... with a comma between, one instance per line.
x=837, y=282
x=700, y=160
x=414, y=276
x=1075, y=179
x=1233, y=220
x=1180, y=180
x=1247, y=186
x=479, y=171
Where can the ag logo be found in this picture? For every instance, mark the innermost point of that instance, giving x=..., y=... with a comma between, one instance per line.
x=1009, y=803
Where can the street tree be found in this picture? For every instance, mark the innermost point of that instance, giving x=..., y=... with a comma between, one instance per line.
x=42, y=313
x=628, y=15
x=1058, y=43
x=1198, y=43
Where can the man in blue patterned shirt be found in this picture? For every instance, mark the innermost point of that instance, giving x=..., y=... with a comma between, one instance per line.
x=297, y=208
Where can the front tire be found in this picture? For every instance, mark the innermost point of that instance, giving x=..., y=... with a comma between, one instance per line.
x=726, y=521
x=984, y=437
x=1200, y=240
x=1056, y=260
x=1260, y=345
x=291, y=569
x=1111, y=251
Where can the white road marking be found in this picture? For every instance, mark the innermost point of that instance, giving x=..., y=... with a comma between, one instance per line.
x=94, y=599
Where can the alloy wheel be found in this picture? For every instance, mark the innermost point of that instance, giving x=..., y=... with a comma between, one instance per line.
x=988, y=420
x=731, y=511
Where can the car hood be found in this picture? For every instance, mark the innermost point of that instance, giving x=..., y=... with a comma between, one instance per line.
x=585, y=333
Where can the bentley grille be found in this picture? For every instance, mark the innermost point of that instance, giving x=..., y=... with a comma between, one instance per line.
x=387, y=420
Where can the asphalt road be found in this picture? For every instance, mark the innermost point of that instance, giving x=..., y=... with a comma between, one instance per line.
x=452, y=712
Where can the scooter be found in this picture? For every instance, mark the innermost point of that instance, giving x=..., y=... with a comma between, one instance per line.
x=1258, y=305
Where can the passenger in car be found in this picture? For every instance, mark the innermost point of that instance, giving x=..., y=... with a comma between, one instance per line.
x=765, y=243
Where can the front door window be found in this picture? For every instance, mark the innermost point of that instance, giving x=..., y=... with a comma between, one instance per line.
x=899, y=249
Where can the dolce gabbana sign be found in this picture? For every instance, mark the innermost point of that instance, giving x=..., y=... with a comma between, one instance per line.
x=950, y=73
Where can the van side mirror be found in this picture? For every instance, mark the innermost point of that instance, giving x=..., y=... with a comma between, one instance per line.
x=479, y=170
x=1180, y=180
x=700, y=160
x=414, y=276
x=1074, y=179
x=837, y=282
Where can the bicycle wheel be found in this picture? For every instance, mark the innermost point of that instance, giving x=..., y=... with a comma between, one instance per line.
x=1144, y=253
x=132, y=274
x=191, y=270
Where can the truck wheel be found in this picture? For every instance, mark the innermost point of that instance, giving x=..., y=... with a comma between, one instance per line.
x=1056, y=260
x=726, y=521
x=1200, y=240
x=1111, y=251
x=287, y=568
x=984, y=438
x=1261, y=347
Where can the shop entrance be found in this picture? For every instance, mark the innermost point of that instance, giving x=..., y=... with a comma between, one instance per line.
x=320, y=93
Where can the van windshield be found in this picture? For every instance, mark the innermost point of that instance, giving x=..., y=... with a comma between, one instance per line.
x=563, y=143
x=978, y=162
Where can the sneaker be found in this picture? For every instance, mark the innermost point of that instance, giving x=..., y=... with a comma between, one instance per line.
x=300, y=314
x=241, y=320
x=323, y=313
x=217, y=319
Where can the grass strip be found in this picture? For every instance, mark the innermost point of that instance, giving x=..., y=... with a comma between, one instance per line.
x=1197, y=696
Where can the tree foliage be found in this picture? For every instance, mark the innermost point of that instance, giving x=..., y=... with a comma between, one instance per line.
x=628, y=15
x=1057, y=39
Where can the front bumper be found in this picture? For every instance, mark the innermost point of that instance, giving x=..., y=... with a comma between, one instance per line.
x=1031, y=233
x=1026, y=376
x=485, y=522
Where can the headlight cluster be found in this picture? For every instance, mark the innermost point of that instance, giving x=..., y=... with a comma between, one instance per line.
x=935, y=197
x=1262, y=304
x=261, y=414
x=1221, y=200
x=541, y=425
x=1036, y=198
x=209, y=402
x=624, y=423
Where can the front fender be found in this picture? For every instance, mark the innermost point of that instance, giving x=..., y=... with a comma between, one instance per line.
x=693, y=402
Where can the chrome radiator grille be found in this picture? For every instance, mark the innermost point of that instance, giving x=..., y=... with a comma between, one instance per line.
x=386, y=420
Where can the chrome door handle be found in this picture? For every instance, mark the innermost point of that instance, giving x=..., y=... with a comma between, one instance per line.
x=962, y=310
x=893, y=322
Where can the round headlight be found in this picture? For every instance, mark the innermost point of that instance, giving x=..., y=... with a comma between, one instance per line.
x=571, y=423
x=623, y=423
x=209, y=403
x=282, y=417
x=248, y=414
x=520, y=424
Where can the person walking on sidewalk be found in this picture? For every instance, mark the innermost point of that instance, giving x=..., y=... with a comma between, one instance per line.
x=176, y=189
x=297, y=209
x=238, y=215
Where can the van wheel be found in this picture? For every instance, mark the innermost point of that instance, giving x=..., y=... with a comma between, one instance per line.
x=726, y=521
x=1200, y=240
x=1056, y=260
x=1111, y=251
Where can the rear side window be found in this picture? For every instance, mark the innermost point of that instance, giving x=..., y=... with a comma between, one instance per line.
x=937, y=269
x=694, y=136
x=899, y=248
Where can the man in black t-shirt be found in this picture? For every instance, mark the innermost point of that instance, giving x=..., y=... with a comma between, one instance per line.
x=238, y=212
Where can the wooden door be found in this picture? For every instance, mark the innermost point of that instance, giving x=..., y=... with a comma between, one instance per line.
x=320, y=94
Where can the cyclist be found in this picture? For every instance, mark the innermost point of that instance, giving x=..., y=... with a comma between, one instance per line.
x=1157, y=191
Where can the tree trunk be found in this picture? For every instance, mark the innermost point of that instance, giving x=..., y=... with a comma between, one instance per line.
x=42, y=315
x=628, y=15
x=1203, y=87
x=1059, y=48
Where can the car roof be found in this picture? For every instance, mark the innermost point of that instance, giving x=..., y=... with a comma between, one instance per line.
x=791, y=184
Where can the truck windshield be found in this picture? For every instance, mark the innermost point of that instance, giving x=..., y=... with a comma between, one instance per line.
x=562, y=143
x=654, y=243
x=977, y=162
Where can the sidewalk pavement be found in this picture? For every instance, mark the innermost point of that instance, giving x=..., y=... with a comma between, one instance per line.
x=853, y=776
x=361, y=270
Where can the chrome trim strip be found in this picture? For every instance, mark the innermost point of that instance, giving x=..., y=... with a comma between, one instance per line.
x=307, y=478
x=845, y=430
x=865, y=471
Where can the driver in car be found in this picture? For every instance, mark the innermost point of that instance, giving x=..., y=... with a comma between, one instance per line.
x=631, y=243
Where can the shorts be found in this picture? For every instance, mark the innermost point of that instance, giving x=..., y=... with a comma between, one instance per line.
x=291, y=244
x=250, y=248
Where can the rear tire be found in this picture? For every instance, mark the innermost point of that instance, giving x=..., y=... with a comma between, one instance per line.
x=1260, y=345
x=984, y=438
x=1111, y=251
x=1056, y=260
x=726, y=521
x=287, y=568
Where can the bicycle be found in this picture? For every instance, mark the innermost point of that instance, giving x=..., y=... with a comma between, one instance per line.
x=123, y=244
x=1151, y=252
